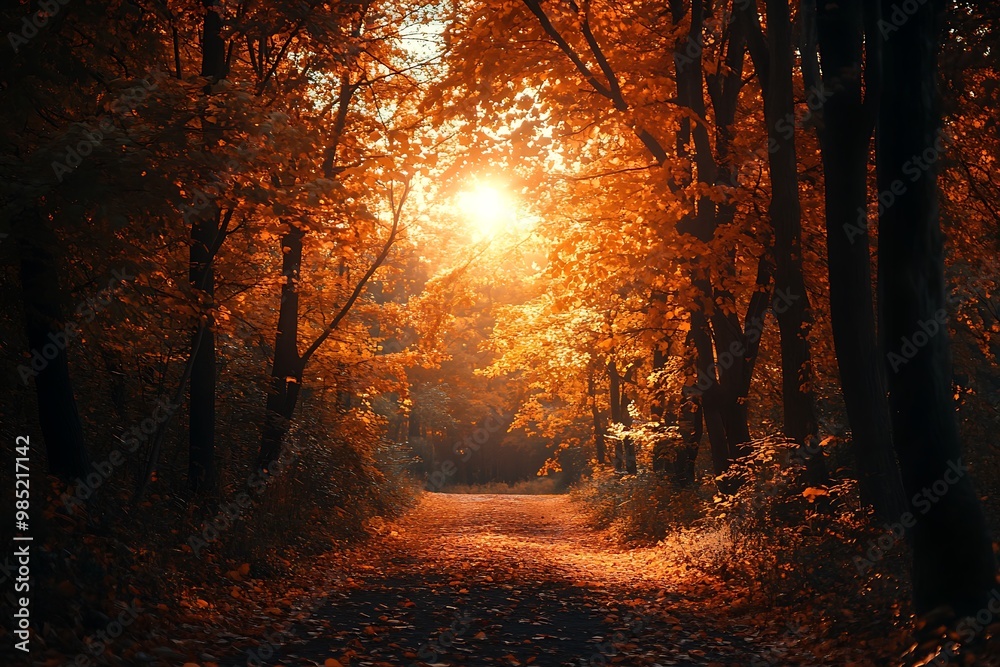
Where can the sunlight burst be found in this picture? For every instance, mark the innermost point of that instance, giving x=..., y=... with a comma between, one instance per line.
x=487, y=209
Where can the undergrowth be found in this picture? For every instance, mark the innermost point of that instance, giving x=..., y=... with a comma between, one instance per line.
x=172, y=554
x=530, y=487
x=775, y=543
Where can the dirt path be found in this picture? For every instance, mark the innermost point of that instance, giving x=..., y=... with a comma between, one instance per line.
x=506, y=580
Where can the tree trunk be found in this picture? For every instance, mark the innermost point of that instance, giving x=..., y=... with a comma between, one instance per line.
x=205, y=231
x=953, y=562
x=845, y=134
x=734, y=376
x=201, y=457
x=289, y=366
x=690, y=426
x=707, y=388
x=628, y=444
x=286, y=370
x=412, y=426
x=725, y=407
x=595, y=412
x=615, y=397
x=49, y=336
x=791, y=302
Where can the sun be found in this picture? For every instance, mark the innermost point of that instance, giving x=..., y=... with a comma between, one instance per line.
x=487, y=209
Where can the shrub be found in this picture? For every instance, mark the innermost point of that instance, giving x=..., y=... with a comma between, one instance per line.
x=642, y=507
x=540, y=486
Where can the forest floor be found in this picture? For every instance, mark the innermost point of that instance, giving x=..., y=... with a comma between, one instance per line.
x=520, y=580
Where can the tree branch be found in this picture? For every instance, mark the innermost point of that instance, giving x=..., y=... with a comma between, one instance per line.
x=397, y=211
x=756, y=44
x=551, y=31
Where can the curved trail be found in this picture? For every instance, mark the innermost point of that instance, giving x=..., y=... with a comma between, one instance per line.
x=507, y=580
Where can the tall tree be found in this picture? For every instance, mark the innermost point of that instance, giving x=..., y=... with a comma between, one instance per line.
x=595, y=412
x=289, y=365
x=953, y=562
x=207, y=233
x=49, y=336
x=847, y=120
x=716, y=330
x=772, y=60
x=615, y=400
x=620, y=400
x=713, y=328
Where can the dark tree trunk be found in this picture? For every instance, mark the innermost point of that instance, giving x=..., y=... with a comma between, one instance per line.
x=725, y=404
x=662, y=447
x=599, y=444
x=628, y=444
x=735, y=374
x=625, y=460
x=615, y=397
x=690, y=425
x=289, y=366
x=205, y=233
x=49, y=336
x=791, y=305
x=773, y=65
x=286, y=371
x=953, y=562
x=413, y=426
x=749, y=343
x=201, y=456
x=707, y=388
x=595, y=412
x=845, y=135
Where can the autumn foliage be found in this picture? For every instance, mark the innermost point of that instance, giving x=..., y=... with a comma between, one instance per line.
x=270, y=268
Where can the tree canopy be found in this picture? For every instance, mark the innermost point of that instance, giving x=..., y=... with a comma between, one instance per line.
x=294, y=257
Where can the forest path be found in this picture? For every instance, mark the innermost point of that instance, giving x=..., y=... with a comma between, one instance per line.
x=507, y=580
